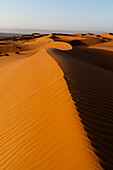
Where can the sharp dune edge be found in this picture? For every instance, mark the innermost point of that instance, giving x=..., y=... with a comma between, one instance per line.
x=56, y=102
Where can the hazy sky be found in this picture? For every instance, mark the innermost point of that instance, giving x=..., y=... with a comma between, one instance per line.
x=77, y=15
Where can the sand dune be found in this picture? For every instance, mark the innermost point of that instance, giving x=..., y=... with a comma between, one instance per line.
x=66, y=38
x=104, y=46
x=107, y=35
x=56, y=103
x=38, y=128
x=87, y=41
x=89, y=74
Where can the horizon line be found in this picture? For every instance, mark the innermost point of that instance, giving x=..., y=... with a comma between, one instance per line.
x=33, y=30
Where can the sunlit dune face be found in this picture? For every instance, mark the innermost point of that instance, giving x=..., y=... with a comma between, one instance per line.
x=56, y=102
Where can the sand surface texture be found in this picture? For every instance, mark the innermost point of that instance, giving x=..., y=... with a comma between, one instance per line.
x=56, y=104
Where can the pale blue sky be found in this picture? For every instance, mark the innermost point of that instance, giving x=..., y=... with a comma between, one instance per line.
x=77, y=15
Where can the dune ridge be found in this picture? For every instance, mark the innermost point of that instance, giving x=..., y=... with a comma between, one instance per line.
x=56, y=102
x=89, y=75
x=37, y=128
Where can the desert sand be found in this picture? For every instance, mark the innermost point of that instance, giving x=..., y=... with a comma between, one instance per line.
x=56, y=104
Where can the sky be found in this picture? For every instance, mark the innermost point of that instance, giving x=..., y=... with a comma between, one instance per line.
x=67, y=15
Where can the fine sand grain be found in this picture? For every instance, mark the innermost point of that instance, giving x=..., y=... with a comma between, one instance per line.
x=56, y=102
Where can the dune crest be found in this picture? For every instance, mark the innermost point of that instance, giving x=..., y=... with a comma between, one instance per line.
x=56, y=102
x=37, y=128
x=88, y=72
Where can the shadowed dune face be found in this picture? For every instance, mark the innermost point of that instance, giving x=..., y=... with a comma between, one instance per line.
x=18, y=43
x=88, y=41
x=89, y=75
x=56, y=118
x=97, y=57
x=39, y=41
x=40, y=128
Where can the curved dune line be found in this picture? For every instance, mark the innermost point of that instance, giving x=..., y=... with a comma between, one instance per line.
x=39, y=126
x=89, y=75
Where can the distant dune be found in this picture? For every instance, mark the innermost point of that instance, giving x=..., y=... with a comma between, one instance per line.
x=56, y=102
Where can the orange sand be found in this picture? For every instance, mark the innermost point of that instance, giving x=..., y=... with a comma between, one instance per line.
x=41, y=127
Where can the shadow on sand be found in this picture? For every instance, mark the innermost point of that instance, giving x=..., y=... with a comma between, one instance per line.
x=89, y=76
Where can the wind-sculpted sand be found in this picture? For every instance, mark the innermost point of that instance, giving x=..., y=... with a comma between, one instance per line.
x=56, y=102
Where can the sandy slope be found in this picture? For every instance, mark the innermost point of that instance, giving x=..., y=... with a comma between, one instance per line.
x=40, y=127
x=89, y=75
x=37, y=128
